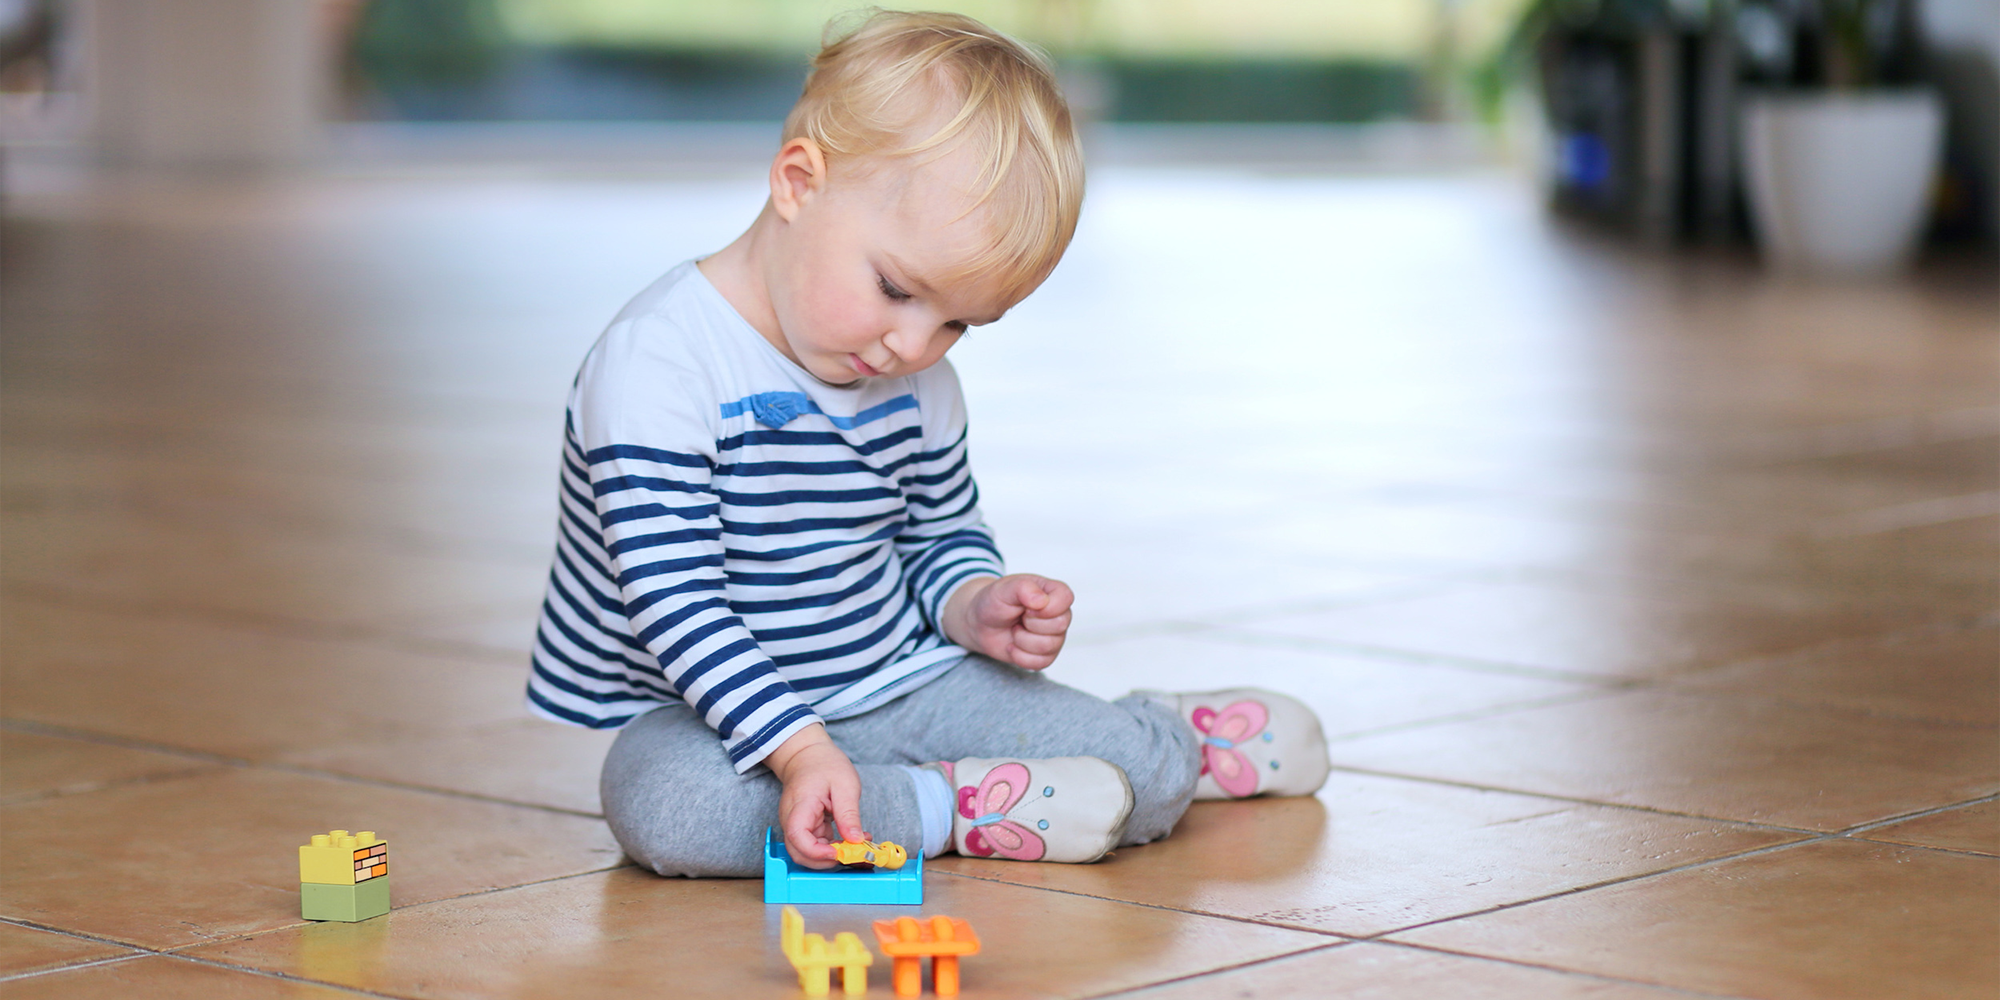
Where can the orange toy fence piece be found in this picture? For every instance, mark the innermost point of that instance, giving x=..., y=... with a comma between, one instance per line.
x=908, y=941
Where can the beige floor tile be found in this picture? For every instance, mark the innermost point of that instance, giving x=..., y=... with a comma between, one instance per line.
x=1632, y=627
x=627, y=933
x=173, y=862
x=28, y=949
x=1351, y=694
x=139, y=562
x=390, y=481
x=33, y=764
x=1943, y=672
x=237, y=689
x=1371, y=854
x=1825, y=921
x=1731, y=756
x=1974, y=828
x=1126, y=581
x=1363, y=971
x=530, y=760
x=160, y=977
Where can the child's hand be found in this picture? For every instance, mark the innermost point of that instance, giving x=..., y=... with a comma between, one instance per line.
x=1020, y=619
x=819, y=782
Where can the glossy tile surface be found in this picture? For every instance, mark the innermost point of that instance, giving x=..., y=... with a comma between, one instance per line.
x=1600, y=563
x=1639, y=629
x=1732, y=756
x=1974, y=828
x=1385, y=972
x=33, y=765
x=624, y=932
x=175, y=862
x=237, y=688
x=1370, y=855
x=1352, y=694
x=1947, y=672
x=1810, y=921
x=531, y=761
x=165, y=979
x=25, y=950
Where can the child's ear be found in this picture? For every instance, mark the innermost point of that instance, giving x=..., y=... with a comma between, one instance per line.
x=798, y=172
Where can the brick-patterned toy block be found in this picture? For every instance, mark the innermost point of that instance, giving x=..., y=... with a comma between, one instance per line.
x=908, y=941
x=320, y=901
x=341, y=858
x=810, y=954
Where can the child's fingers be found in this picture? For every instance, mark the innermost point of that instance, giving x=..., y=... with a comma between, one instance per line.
x=801, y=834
x=847, y=810
x=1057, y=598
x=1038, y=645
x=1028, y=660
x=1055, y=625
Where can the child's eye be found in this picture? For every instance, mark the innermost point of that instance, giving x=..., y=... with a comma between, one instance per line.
x=956, y=326
x=895, y=294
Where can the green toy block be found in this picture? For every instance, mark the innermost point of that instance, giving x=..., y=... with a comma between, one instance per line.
x=321, y=901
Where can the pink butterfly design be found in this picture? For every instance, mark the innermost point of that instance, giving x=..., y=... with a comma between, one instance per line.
x=986, y=806
x=1221, y=732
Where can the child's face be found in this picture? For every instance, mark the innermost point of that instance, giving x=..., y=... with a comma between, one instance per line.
x=860, y=284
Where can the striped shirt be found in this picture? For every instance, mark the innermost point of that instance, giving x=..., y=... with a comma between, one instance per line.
x=739, y=536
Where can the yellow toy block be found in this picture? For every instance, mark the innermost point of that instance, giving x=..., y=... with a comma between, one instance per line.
x=342, y=858
x=810, y=955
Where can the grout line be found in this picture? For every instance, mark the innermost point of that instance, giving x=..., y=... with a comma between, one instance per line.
x=1918, y=814
x=178, y=951
x=1601, y=977
x=282, y=976
x=1605, y=883
x=1473, y=715
x=267, y=624
x=85, y=788
x=1248, y=637
x=1243, y=615
x=1650, y=810
x=79, y=935
x=88, y=736
x=1320, y=931
x=1219, y=970
x=32, y=727
x=90, y=964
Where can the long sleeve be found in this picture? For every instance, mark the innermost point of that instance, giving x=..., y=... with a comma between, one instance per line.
x=661, y=525
x=945, y=541
x=771, y=550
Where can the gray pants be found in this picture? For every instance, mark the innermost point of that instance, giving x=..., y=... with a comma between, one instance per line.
x=678, y=807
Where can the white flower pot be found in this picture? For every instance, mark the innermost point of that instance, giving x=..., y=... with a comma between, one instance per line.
x=1840, y=183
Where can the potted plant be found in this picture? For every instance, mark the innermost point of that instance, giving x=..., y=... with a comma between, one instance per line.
x=1840, y=146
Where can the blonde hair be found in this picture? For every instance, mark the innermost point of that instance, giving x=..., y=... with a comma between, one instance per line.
x=873, y=86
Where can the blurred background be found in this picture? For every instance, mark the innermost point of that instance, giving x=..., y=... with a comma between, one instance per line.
x=1589, y=407
x=1630, y=112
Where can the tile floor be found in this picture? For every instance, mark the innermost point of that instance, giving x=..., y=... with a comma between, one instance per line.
x=1650, y=602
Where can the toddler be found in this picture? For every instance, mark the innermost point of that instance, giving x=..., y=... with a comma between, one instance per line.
x=771, y=568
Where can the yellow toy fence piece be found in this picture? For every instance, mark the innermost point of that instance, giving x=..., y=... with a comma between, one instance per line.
x=810, y=954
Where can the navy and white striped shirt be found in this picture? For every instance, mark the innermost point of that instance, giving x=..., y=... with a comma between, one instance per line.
x=738, y=535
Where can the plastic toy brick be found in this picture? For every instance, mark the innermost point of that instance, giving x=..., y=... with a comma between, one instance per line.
x=322, y=901
x=814, y=960
x=908, y=941
x=341, y=858
x=887, y=854
x=787, y=881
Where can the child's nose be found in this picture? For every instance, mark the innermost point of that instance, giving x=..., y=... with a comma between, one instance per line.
x=908, y=343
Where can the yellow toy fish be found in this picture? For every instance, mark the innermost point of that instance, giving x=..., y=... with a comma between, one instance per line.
x=883, y=855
